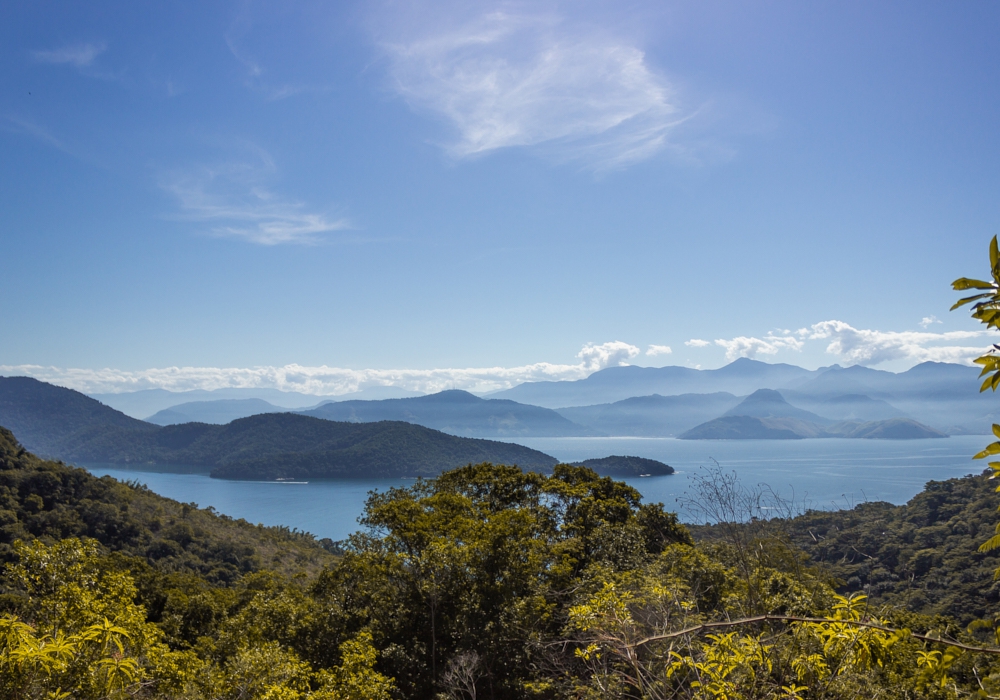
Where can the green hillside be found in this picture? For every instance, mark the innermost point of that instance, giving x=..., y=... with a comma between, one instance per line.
x=49, y=500
x=487, y=582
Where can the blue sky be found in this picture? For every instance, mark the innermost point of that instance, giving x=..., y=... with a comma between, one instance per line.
x=322, y=196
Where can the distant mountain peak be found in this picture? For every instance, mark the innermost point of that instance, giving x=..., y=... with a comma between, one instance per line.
x=765, y=395
x=450, y=395
x=768, y=403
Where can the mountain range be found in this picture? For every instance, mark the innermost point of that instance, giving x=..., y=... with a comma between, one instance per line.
x=64, y=424
x=741, y=377
x=941, y=397
x=459, y=413
x=147, y=402
x=766, y=415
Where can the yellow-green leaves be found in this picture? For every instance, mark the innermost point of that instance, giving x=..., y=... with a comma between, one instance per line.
x=355, y=678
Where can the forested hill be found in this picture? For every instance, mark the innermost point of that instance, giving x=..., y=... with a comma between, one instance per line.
x=922, y=556
x=43, y=499
x=50, y=420
x=624, y=466
x=64, y=424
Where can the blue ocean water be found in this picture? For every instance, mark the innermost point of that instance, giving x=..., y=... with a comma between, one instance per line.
x=824, y=473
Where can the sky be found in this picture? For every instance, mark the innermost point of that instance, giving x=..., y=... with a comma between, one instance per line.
x=321, y=196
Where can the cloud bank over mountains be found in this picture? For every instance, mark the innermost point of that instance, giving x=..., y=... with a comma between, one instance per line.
x=847, y=344
x=328, y=380
x=853, y=346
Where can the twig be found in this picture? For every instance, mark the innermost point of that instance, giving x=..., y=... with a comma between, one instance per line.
x=698, y=629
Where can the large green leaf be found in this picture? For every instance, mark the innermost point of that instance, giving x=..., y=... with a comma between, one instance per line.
x=966, y=283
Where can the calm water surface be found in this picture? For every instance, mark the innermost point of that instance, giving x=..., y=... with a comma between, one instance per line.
x=825, y=473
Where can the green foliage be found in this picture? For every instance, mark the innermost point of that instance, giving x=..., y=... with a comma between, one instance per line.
x=471, y=572
x=485, y=582
x=50, y=501
x=921, y=557
x=986, y=309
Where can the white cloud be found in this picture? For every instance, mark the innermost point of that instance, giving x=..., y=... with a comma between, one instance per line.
x=77, y=55
x=870, y=347
x=325, y=380
x=697, y=343
x=236, y=201
x=504, y=79
x=751, y=347
x=597, y=357
x=929, y=320
x=655, y=350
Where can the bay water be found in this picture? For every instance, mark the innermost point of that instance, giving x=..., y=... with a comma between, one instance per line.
x=821, y=473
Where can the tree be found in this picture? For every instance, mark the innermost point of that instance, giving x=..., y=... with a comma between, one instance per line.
x=986, y=309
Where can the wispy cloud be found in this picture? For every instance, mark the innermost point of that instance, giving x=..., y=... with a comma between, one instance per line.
x=655, y=350
x=697, y=343
x=325, y=380
x=927, y=321
x=505, y=79
x=77, y=55
x=257, y=78
x=20, y=125
x=235, y=200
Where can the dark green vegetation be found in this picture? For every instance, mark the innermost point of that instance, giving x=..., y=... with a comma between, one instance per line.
x=42, y=499
x=921, y=557
x=620, y=465
x=485, y=582
x=765, y=415
x=67, y=425
x=458, y=413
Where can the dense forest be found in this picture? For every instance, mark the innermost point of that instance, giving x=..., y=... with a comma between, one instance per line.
x=489, y=582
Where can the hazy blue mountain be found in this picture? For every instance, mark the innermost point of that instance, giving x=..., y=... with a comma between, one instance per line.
x=891, y=429
x=768, y=403
x=613, y=384
x=651, y=416
x=787, y=428
x=926, y=381
x=218, y=412
x=458, y=413
x=374, y=393
x=746, y=428
x=942, y=395
x=849, y=407
x=148, y=402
